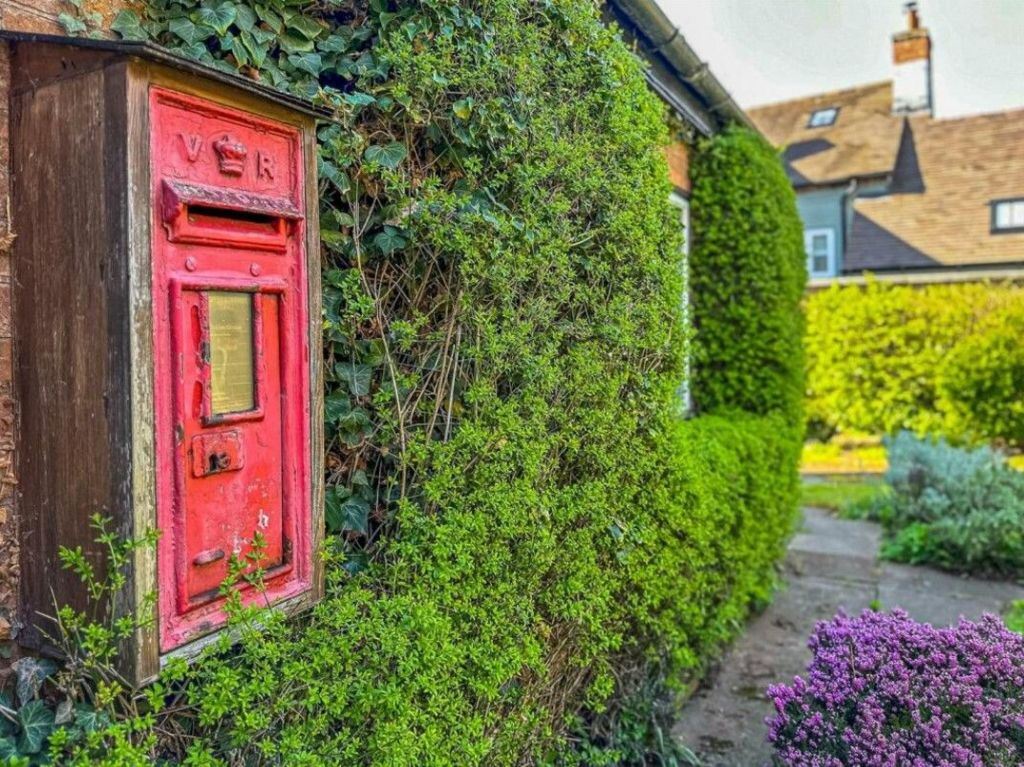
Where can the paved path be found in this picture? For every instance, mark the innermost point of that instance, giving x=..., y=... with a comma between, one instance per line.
x=831, y=564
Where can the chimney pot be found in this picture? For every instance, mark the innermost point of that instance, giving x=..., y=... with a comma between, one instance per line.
x=912, y=74
x=913, y=18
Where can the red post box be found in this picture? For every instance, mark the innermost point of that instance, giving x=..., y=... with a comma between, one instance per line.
x=174, y=224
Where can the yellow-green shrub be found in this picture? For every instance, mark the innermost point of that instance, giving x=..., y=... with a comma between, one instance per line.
x=876, y=354
x=981, y=382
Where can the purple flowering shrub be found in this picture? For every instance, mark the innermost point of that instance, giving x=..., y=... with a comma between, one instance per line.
x=885, y=691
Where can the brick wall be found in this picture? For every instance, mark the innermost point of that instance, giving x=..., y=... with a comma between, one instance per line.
x=25, y=16
x=678, y=157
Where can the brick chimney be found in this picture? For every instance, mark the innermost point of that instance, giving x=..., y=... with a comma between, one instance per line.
x=912, y=71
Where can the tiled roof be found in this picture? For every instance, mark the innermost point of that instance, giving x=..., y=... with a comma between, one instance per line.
x=938, y=213
x=861, y=142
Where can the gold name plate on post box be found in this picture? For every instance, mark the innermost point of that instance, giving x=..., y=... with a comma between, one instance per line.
x=231, y=352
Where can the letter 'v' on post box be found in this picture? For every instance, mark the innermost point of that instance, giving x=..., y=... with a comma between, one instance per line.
x=167, y=334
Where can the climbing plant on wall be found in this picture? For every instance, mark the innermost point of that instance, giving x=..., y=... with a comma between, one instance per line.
x=525, y=540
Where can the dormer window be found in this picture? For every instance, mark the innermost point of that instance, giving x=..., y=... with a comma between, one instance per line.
x=821, y=118
x=1008, y=215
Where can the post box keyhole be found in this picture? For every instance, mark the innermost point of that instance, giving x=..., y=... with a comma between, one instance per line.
x=219, y=462
x=217, y=452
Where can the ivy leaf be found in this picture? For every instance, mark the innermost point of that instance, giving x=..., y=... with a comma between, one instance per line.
x=307, y=62
x=220, y=18
x=305, y=26
x=269, y=17
x=127, y=24
x=336, y=406
x=334, y=174
x=357, y=562
x=257, y=52
x=358, y=98
x=89, y=719
x=36, y=720
x=463, y=108
x=387, y=155
x=292, y=44
x=245, y=18
x=31, y=673
x=334, y=44
x=72, y=24
x=334, y=241
x=186, y=30
x=7, y=727
x=357, y=377
x=346, y=513
x=64, y=712
x=344, y=219
x=389, y=240
x=8, y=749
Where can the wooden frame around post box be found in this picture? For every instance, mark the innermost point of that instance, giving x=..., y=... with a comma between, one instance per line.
x=91, y=218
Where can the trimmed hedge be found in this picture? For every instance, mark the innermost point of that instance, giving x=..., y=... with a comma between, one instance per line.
x=524, y=535
x=748, y=277
x=938, y=359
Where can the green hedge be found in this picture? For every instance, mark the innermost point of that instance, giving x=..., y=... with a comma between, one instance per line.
x=939, y=359
x=723, y=505
x=748, y=277
x=523, y=532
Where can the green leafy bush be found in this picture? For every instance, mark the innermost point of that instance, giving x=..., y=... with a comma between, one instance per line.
x=883, y=357
x=522, y=529
x=981, y=381
x=748, y=276
x=962, y=510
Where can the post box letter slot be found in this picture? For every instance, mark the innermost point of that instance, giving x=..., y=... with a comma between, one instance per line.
x=206, y=215
x=232, y=223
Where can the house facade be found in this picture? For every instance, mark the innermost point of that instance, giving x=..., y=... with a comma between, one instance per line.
x=884, y=187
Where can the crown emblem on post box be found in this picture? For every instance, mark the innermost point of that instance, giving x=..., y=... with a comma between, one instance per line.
x=230, y=155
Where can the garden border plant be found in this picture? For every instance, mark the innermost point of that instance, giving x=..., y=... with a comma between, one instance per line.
x=529, y=548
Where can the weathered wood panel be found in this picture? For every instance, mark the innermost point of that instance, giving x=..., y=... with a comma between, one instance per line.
x=70, y=308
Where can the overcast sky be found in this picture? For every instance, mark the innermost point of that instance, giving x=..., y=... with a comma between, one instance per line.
x=772, y=50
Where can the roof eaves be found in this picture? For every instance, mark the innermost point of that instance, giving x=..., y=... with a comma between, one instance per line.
x=685, y=82
x=841, y=181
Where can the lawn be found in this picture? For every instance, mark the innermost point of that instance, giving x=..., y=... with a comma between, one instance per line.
x=856, y=453
x=845, y=454
x=841, y=493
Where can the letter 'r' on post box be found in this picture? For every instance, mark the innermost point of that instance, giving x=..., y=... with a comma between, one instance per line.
x=167, y=312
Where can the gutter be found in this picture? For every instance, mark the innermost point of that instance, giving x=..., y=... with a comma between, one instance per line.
x=931, y=276
x=664, y=38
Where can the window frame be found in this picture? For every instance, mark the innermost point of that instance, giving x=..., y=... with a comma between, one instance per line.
x=994, y=227
x=829, y=124
x=682, y=203
x=830, y=234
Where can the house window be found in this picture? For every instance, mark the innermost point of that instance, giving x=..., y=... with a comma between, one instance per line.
x=820, y=245
x=1008, y=215
x=683, y=204
x=821, y=118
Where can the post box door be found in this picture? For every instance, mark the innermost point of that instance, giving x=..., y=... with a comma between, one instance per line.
x=231, y=446
x=231, y=360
